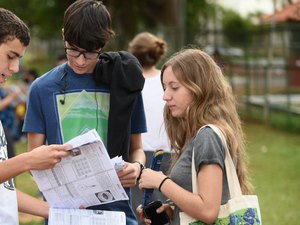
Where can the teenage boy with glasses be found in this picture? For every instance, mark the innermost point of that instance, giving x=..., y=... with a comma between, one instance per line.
x=92, y=90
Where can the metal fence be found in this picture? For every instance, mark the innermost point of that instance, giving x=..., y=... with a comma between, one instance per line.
x=266, y=76
x=264, y=71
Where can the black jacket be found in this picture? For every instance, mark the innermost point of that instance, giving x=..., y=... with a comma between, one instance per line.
x=122, y=72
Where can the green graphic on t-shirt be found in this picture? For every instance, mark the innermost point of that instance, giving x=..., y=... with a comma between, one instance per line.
x=83, y=110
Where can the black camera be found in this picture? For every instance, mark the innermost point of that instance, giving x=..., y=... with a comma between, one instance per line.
x=156, y=218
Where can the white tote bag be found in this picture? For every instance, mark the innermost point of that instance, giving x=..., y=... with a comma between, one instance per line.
x=240, y=209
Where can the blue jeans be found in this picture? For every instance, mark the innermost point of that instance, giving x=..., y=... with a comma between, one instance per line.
x=123, y=206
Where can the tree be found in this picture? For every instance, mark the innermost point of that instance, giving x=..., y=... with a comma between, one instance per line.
x=132, y=16
x=44, y=17
x=236, y=29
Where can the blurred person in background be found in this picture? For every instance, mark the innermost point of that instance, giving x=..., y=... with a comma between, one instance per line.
x=61, y=59
x=28, y=77
x=149, y=50
x=8, y=101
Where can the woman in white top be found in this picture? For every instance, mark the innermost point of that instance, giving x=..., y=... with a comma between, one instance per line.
x=149, y=50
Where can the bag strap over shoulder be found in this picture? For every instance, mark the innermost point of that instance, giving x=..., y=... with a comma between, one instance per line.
x=232, y=178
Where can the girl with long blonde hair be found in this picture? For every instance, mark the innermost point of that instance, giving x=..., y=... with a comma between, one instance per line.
x=197, y=93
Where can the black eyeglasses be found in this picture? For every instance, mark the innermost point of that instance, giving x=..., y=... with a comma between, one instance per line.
x=76, y=53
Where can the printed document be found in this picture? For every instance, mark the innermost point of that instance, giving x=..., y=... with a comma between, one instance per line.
x=85, y=217
x=87, y=177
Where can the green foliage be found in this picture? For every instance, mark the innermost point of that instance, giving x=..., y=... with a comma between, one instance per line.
x=236, y=29
x=140, y=16
x=195, y=9
x=44, y=17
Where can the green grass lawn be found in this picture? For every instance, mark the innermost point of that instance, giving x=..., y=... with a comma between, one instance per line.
x=274, y=163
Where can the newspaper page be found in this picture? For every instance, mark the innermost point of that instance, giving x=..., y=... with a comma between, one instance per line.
x=87, y=177
x=85, y=217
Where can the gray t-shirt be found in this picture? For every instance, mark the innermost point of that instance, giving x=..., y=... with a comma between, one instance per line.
x=208, y=150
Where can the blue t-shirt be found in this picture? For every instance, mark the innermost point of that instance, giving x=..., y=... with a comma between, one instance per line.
x=63, y=104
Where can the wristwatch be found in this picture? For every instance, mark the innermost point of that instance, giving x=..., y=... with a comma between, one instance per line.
x=142, y=166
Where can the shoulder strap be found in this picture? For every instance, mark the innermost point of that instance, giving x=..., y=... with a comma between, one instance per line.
x=232, y=178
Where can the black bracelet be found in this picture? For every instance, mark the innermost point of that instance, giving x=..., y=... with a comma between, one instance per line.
x=141, y=169
x=162, y=182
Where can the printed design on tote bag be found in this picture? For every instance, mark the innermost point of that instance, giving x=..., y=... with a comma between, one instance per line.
x=241, y=217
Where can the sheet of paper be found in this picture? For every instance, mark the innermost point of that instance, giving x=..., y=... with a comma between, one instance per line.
x=118, y=163
x=87, y=177
x=89, y=136
x=85, y=217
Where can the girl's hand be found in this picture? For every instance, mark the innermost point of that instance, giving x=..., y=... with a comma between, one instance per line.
x=165, y=207
x=139, y=209
x=168, y=208
x=150, y=179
